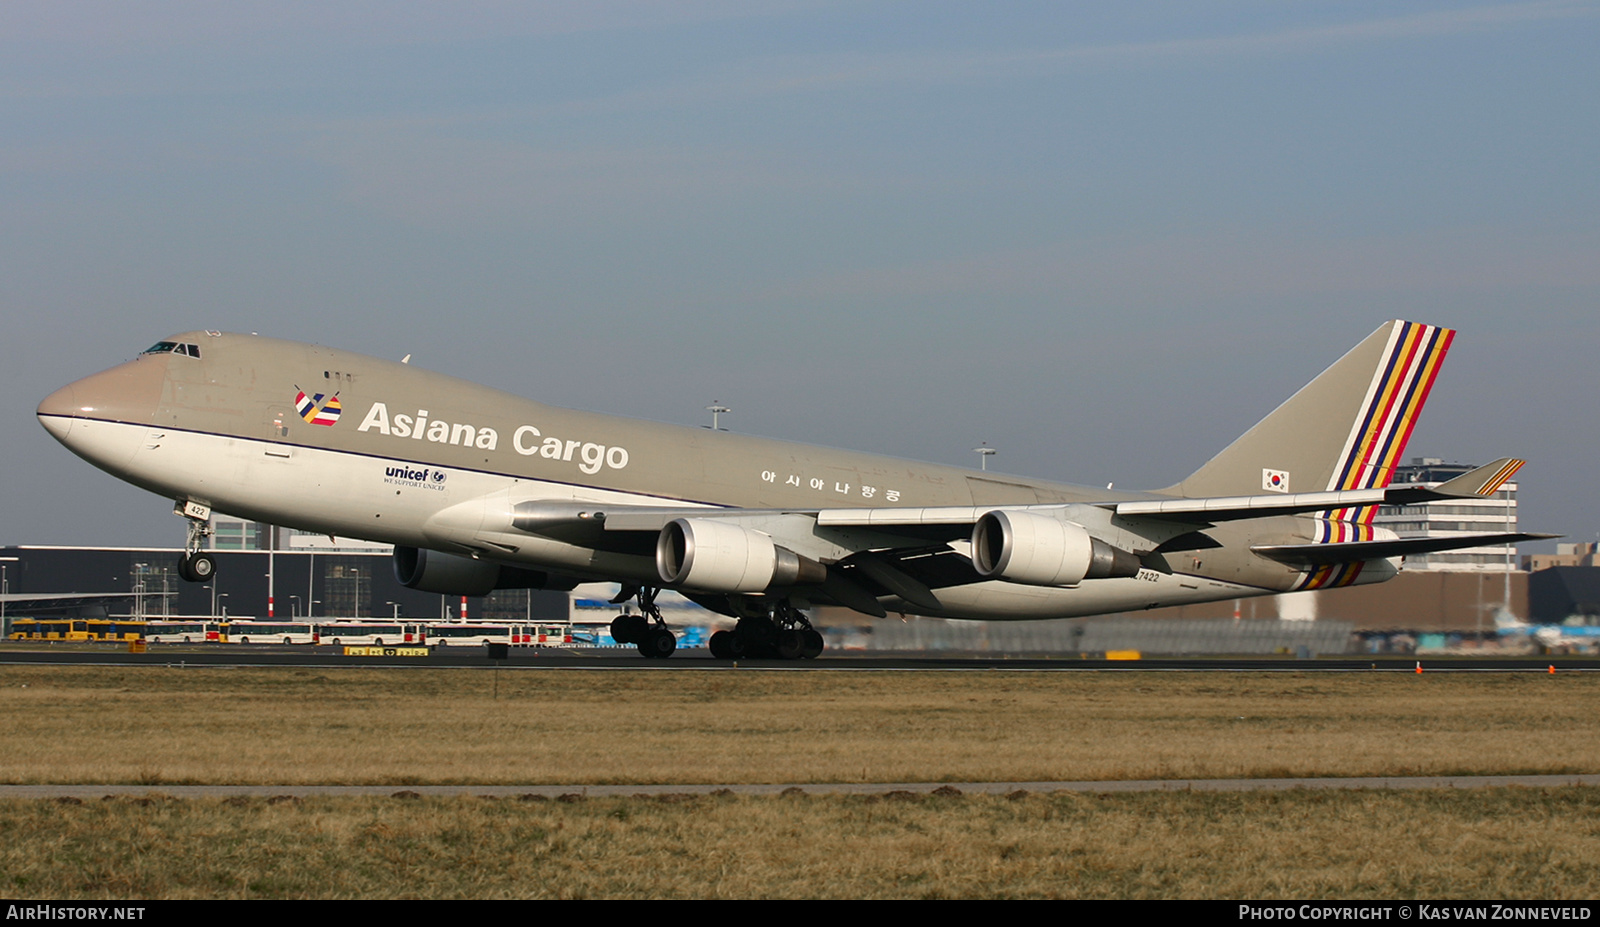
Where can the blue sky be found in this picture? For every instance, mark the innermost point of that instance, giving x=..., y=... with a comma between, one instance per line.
x=1104, y=238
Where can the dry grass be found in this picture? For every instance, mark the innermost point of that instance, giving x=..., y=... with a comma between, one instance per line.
x=1499, y=843
x=386, y=726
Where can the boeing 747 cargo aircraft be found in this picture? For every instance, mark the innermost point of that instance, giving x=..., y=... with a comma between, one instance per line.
x=480, y=490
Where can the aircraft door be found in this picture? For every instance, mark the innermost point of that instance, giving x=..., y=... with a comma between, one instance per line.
x=280, y=421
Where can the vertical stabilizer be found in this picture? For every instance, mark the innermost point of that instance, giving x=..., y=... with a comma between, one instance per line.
x=1344, y=430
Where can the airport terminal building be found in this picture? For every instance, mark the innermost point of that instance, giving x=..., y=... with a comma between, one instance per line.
x=304, y=582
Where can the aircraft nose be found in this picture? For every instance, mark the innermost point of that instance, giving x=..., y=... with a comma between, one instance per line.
x=57, y=411
x=127, y=394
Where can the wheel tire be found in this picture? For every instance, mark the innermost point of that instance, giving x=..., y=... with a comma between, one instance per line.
x=202, y=567
x=184, y=573
x=813, y=644
x=658, y=644
x=629, y=629
x=790, y=645
x=757, y=632
x=244, y=640
x=719, y=645
x=288, y=640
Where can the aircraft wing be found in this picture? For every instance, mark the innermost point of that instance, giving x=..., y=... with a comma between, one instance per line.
x=601, y=524
x=855, y=555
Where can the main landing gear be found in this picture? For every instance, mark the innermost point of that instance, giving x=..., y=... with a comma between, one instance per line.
x=766, y=631
x=784, y=633
x=648, y=631
x=196, y=566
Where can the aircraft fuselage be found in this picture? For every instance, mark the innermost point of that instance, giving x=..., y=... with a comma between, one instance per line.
x=339, y=443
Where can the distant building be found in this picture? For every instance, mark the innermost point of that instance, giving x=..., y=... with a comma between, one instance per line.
x=1581, y=554
x=1496, y=514
x=229, y=533
x=304, y=582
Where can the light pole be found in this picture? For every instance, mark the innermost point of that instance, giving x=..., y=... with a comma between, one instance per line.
x=984, y=452
x=717, y=409
x=5, y=585
x=294, y=606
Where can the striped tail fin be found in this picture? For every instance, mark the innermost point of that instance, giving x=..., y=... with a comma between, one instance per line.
x=1346, y=429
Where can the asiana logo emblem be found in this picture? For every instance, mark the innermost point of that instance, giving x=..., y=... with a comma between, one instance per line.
x=314, y=410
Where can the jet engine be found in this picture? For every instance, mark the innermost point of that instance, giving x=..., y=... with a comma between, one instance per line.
x=706, y=555
x=449, y=574
x=1037, y=550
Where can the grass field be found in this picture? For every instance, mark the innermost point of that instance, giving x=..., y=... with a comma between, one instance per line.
x=392, y=726
x=1493, y=843
x=157, y=726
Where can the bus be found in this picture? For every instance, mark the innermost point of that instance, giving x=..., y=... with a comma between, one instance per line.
x=269, y=632
x=184, y=632
x=75, y=629
x=370, y=633
x=480, y=633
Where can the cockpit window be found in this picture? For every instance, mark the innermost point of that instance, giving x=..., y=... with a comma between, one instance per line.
x=173, y=347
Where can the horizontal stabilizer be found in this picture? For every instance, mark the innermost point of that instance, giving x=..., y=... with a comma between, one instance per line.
x=1234, y=508
x=1316, y=555
x=1479, y=483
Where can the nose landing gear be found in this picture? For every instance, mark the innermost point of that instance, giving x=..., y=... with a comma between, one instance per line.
x=196, y=566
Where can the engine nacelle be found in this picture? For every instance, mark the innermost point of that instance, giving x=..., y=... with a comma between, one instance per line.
x=1037, y=550
x=707, y=555
x=449, y=574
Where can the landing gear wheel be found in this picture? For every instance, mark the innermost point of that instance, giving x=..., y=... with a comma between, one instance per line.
x=726, y=645
x=202, y=567
x=785, y=634
x=790, y=645
x=197, y=568
x=658, y=644
x=648, y=631
x=629, y=629
x=756, y=631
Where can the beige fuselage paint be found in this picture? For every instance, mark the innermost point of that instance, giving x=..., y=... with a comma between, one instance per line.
x=423, y=459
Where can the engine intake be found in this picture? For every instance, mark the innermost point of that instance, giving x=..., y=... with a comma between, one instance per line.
x=1037, y=550
x=707, y=555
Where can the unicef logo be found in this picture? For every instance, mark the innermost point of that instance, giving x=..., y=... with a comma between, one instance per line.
x=438, y=476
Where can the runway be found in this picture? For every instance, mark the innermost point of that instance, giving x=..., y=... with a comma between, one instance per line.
x=265, y=655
